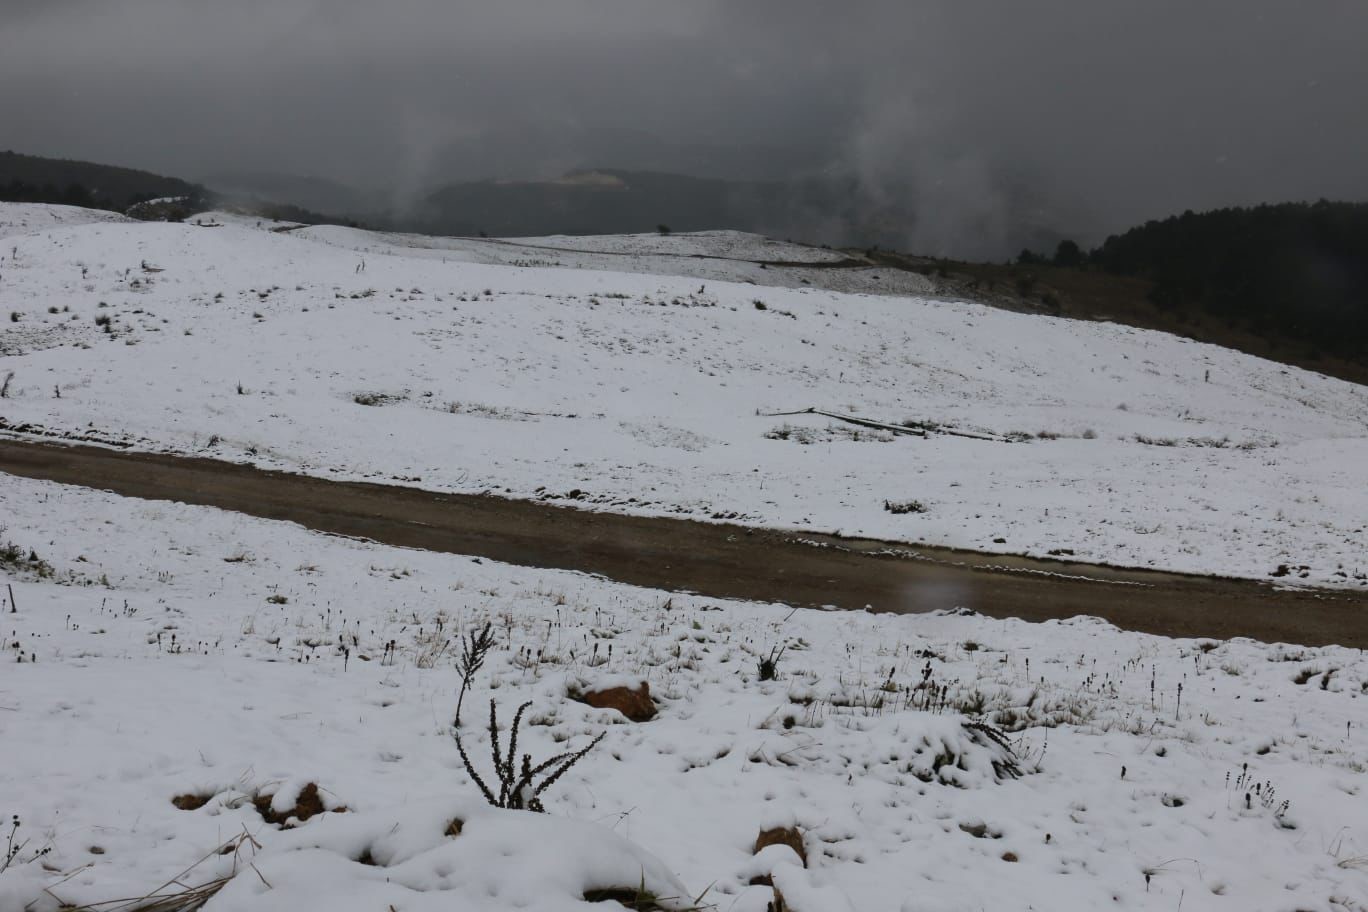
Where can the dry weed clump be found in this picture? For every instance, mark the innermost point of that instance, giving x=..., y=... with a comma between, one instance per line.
x=519, y=789
x=20, y=562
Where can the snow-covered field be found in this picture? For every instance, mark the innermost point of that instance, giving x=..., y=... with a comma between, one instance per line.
x=193, y=699
x=343, y=353
x=182, y=651
x=723, y=256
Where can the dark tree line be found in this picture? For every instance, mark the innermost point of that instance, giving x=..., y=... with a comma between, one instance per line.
x=1295, y=270
x=17, y=191
x=33, y=179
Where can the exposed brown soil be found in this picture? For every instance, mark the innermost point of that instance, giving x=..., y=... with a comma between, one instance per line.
x=189, y=802
x=719, y=560
x=636, y=705
x=788, y=836
x=308, y=804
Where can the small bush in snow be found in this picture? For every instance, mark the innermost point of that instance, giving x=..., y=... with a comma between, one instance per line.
x=13, y=849
x=905, y=506
x=519, y=789
x=375, y=398
x=768, y=666
x=14, y=560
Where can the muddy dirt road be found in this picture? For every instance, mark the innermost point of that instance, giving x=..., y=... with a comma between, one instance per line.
x=722, y=561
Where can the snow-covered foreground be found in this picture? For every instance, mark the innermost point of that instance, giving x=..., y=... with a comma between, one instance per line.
x=644, y=393
x=182, y=651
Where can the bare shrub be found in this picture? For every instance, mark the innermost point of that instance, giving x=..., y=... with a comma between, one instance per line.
x=519, y=789
x=15, y=560
x=768, y=666
x=474, y=647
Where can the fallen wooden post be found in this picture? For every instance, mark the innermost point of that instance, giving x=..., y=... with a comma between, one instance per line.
x=911, y=431
x=862, y=422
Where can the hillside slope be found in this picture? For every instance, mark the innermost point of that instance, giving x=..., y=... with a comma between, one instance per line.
x=32, y=178
x=18, y=219
x=645, y=393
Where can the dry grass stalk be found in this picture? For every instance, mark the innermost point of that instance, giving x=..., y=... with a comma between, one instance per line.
x=175, y=895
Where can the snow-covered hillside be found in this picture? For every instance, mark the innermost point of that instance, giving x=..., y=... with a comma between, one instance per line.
x=346, y=354
x=18, y=219
x=722, y=256
x=163, y=652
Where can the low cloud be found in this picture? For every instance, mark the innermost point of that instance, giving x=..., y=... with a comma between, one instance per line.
x=972, y=116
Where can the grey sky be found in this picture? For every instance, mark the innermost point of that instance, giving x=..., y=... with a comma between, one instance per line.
x=1107, y=111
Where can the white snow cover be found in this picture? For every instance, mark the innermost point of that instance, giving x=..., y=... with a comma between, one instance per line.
x=641, y=393
x=30, y=218
x=183, y=650
x=500, y=860
x=724, y=256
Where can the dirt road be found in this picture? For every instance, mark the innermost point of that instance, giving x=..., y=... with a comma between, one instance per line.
x=722, y=561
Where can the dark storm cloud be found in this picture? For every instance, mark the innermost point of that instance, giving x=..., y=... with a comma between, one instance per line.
x=1094, y=112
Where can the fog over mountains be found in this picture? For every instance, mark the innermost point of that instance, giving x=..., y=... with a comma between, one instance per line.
x=967, y=125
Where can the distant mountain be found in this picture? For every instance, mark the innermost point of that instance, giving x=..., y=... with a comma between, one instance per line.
x=31, y=178
x=34, y=179
x=316, y=194
x=834, y=209
x=542, y=150
x=587, y=202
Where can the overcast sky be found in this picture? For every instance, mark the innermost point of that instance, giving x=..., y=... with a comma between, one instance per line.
x=1110, y=111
